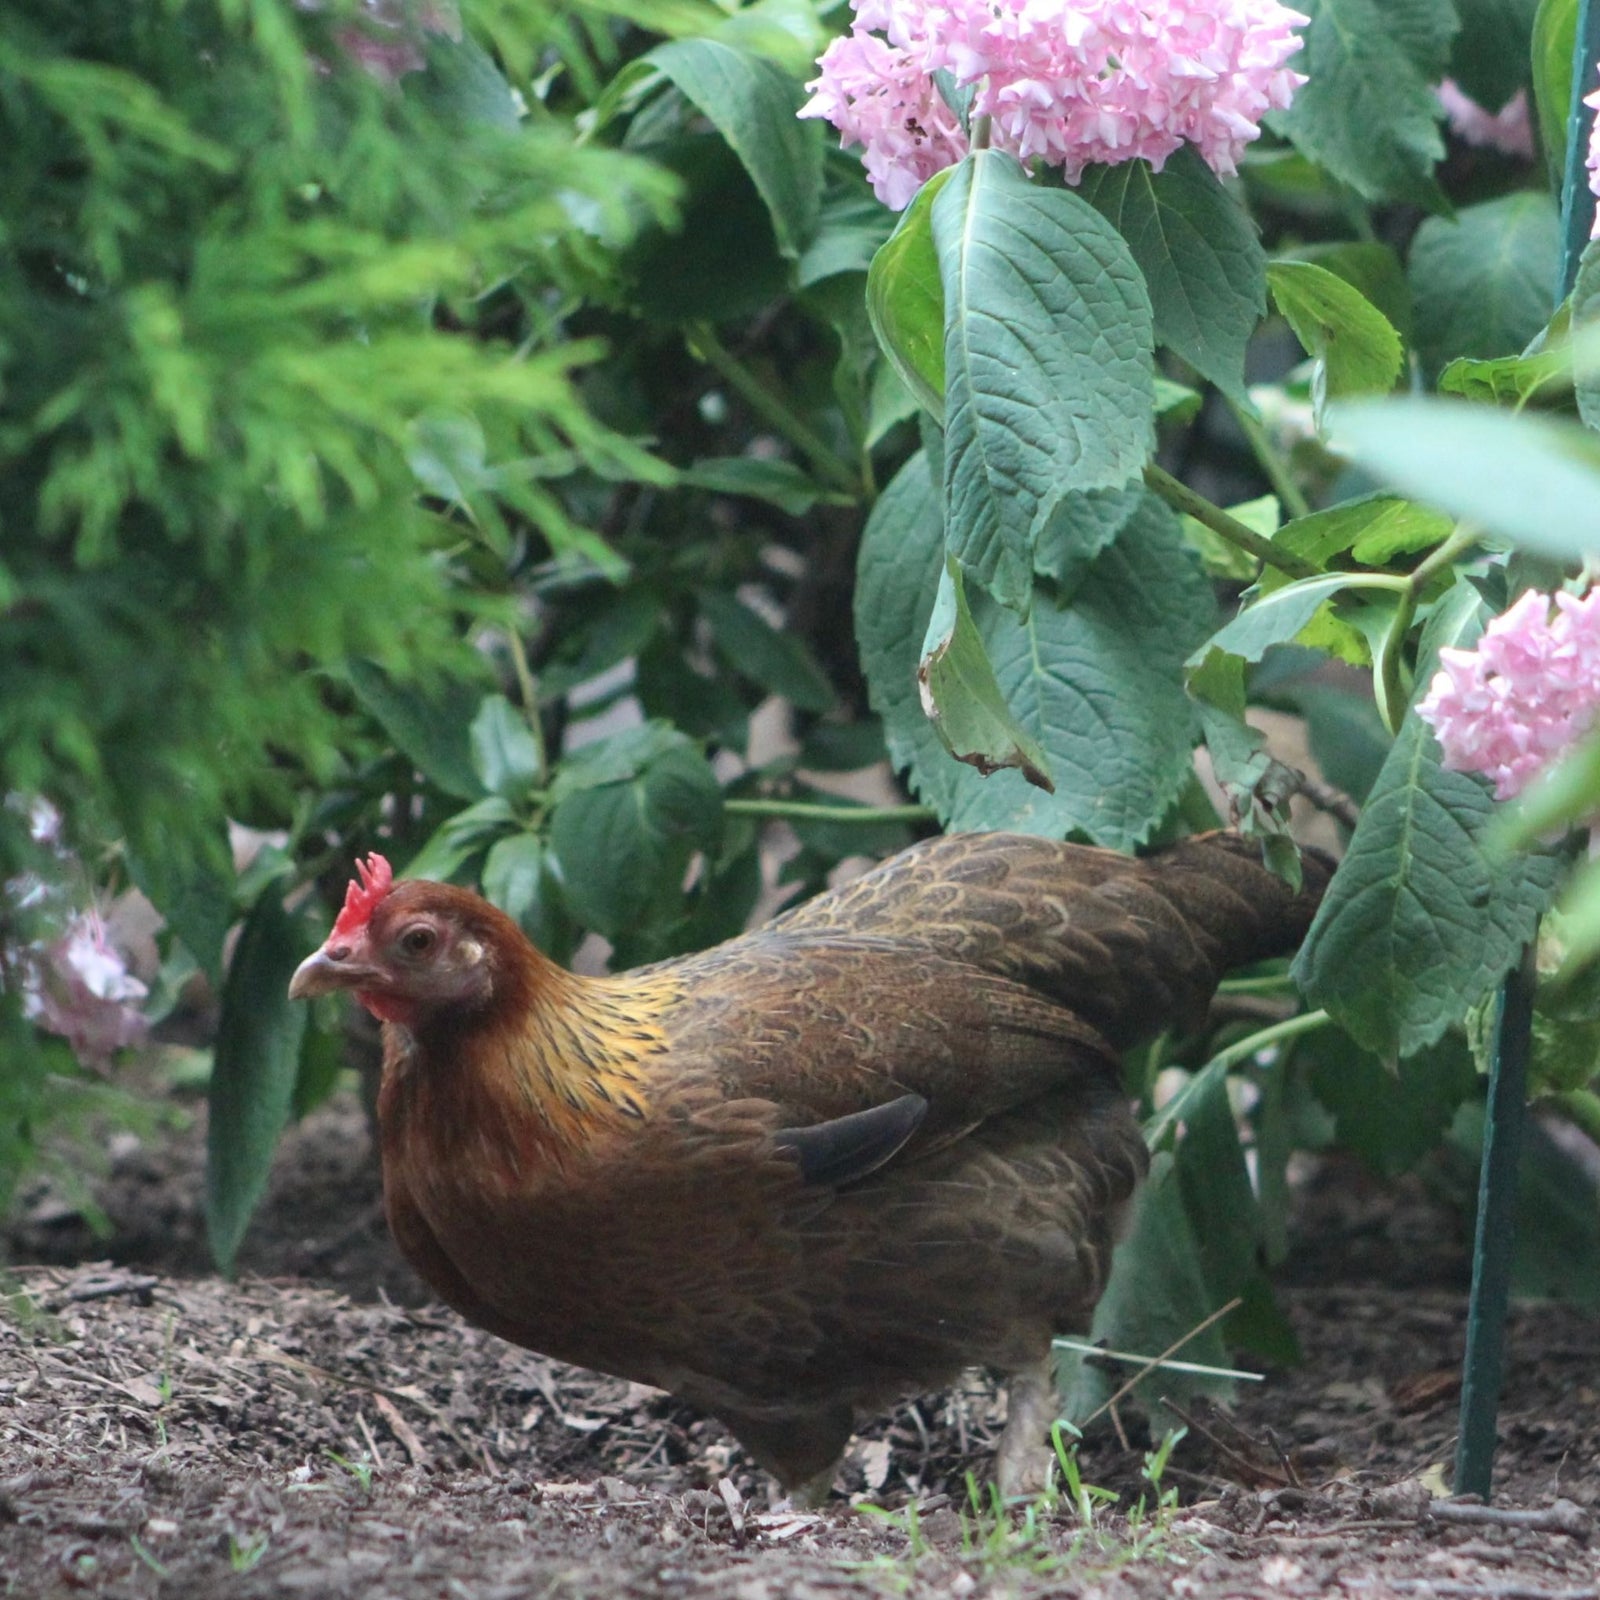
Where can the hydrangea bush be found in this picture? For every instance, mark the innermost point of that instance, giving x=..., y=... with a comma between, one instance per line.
x=1124, y=370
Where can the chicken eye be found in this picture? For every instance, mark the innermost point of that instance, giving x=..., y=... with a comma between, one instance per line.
x=417, y=941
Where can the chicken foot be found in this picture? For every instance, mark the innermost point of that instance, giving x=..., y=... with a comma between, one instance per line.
x=1024, y=1460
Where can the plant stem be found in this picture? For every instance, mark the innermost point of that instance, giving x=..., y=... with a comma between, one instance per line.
x=1461, y=539
x=809, y=811
x=1390, y=691
x=1271, y=461
x=1277, y=983
x=1292, y=1028
x=529, y=691
x=1334, y=801
x=1182, y=498
x=1581, y=1106
x=704, y=343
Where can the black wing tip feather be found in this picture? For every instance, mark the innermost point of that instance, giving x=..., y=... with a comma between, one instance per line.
x=846, y=1148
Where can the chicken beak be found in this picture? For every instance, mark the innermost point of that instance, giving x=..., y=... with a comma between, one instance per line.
x=325, y=972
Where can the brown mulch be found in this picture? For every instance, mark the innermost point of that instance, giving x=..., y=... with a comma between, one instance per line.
x=167, y=1434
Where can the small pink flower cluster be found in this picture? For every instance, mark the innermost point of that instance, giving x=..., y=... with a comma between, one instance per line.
x=1065, y=81
x=72, y=979
x=80, y=987
x=1528, y=691
x=386, y=40
x=1507, y=130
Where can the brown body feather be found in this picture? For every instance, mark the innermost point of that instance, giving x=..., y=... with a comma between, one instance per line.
x=599, y=1168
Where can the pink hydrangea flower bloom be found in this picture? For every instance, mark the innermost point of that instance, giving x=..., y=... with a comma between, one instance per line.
x=878, y=97
x=1066, y=82
x=385, y=41
x=60, y=960
x=1528, y=692
x=1507, y=130
x=80, y=987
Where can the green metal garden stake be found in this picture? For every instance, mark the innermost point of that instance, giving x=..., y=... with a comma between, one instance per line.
x=1577, y=203
x=1491, y=1252
x=1513, y=1035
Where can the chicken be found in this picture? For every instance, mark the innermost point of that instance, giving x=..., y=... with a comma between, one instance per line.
x=821, y=1166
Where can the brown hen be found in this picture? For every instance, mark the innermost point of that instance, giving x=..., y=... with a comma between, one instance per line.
x=820, y=1166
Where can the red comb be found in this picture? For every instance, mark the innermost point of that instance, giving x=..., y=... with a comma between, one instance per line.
x=361, y=899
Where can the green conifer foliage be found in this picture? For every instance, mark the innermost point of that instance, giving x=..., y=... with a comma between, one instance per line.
x=241, y=278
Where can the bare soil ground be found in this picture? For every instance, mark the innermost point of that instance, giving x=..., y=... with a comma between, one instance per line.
x=317, y=1428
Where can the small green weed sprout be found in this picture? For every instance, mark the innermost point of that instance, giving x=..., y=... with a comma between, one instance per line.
x=1149, y=1522
x=142, y=1550
x=1030, y=1535
x=1084, y=1498
x=360, y=1470
x=244, y=1554
x=1009, y=1537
